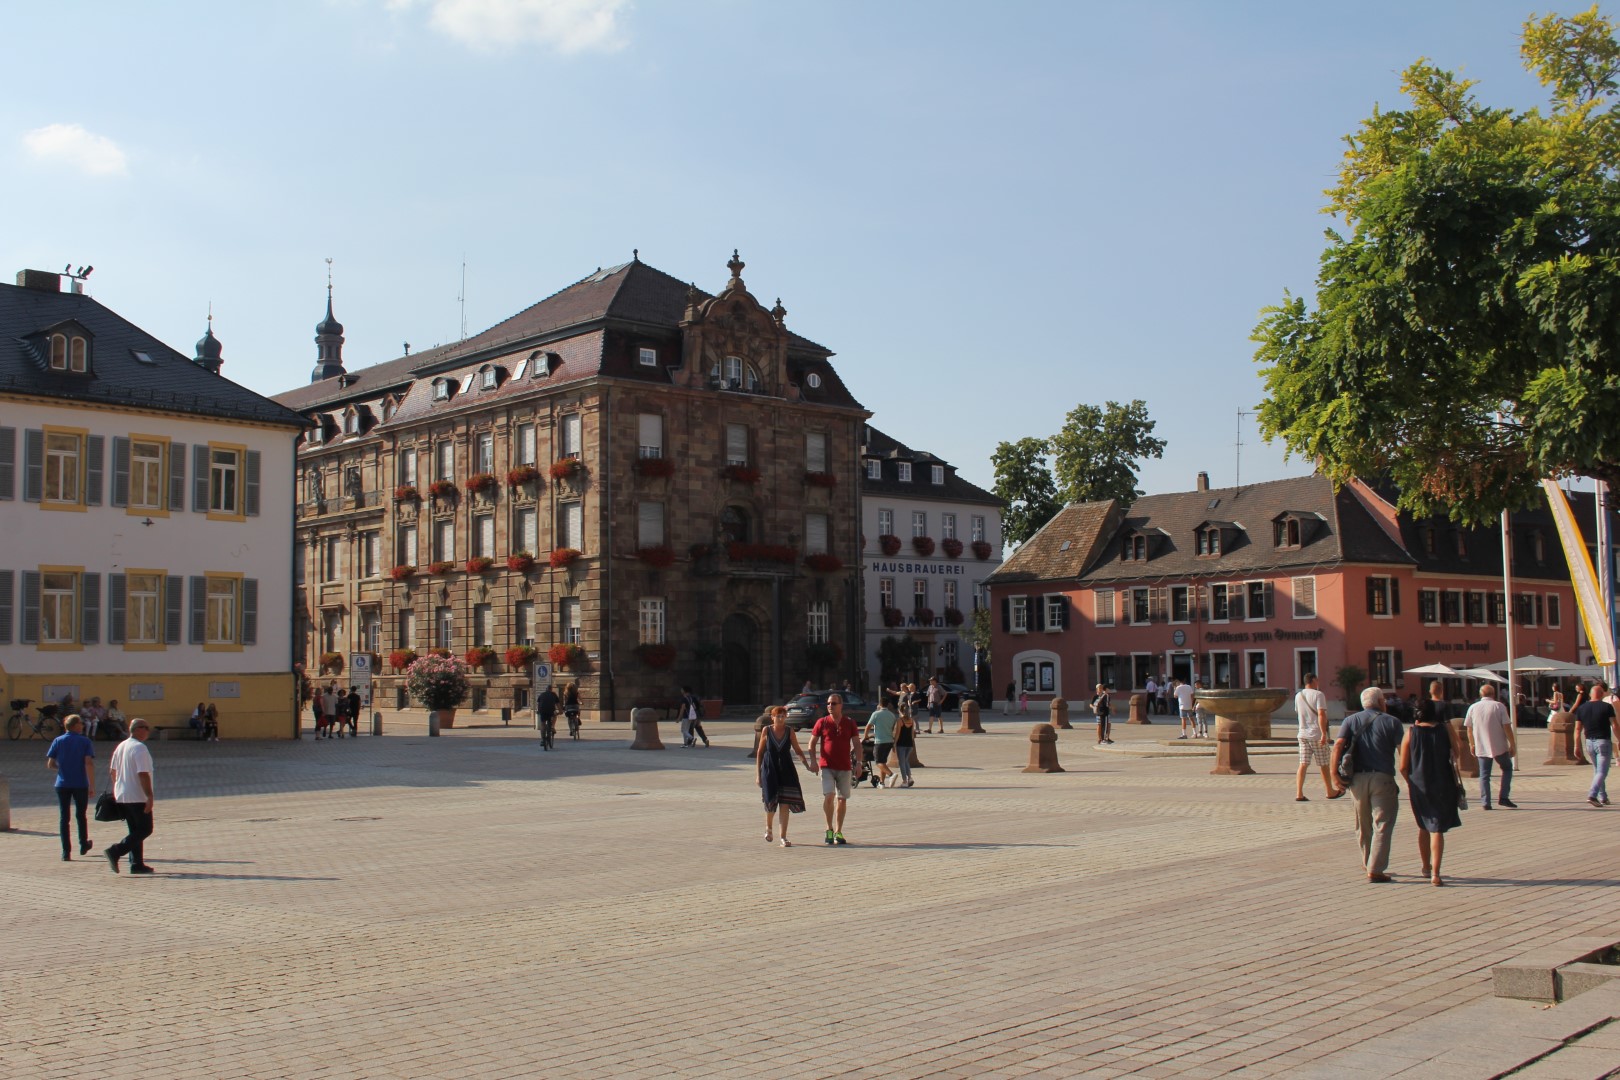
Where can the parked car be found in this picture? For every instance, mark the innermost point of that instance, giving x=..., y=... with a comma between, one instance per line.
x=805, y=709
x=955, y=694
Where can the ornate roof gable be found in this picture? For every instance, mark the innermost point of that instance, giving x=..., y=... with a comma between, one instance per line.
x=734, y=326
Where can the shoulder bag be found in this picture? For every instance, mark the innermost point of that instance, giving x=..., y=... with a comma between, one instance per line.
x=1347, y=759
x=107, y=808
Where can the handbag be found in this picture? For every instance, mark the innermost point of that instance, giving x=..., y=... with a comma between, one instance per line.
x=1347, y=759
x=107, y=808
x=1462, y=791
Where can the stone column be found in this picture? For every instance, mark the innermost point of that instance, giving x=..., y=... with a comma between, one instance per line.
x=1561, y=740
x=1043, y=750
x=970, y=719
x=646, y=724
x=1060, y=714
x=1139, y=710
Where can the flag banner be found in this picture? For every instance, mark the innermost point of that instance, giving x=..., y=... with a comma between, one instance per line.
x=1599, y=626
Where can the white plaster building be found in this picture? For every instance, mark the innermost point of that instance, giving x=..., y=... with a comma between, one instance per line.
x=146, y=504
x=930, y=540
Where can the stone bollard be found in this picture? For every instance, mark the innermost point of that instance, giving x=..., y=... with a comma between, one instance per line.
x=646, y=724
x=1043, y=750
x=1231, y=749
x=433, y=722
x=1561, y=741
x=5, y=804
x=970, y=719
x=1467, y=763
x=1059, y=712
x=1139, y=710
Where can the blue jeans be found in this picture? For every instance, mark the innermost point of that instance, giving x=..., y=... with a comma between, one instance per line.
x=76, y=798
x=903, y=756
x=1504, y=760
x=1601, y=754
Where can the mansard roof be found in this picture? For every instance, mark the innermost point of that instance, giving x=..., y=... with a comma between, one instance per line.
x=889, y=449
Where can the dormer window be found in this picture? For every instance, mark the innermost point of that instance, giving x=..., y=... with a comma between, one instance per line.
x=938, y=473
x=441, y=389
x=1285, y=532
x=351, y=423
x=647, y=357
x=874, y=469
x=70, y=352
x=905, y=471
x=733, y=374
x=1209, y=541
x=1133, y=548
x=486, y=377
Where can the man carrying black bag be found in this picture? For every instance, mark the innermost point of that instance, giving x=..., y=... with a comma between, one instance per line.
x=130, y=776
x=1371, y=739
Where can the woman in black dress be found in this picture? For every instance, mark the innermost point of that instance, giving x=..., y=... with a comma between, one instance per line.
x=778, y=780
x=1428, y=765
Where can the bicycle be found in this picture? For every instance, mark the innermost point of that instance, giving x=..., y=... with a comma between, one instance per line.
x=548, y=732
x=46, y=727
x=573, y=724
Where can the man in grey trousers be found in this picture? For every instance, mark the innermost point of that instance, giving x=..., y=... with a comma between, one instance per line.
x=1377, y=737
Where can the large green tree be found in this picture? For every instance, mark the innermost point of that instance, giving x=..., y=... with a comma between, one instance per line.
x=1465, y=336
x=1096, y=454
x=1025, y=486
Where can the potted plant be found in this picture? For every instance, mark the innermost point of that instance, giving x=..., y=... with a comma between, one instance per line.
x=400, y=659
x=824, y=562
x=893, y=616
x=561, y=557
x=821, y=479
x=953, y=617
x=442, y=489
x=570, y=656
x=479, y=482
x=566, y=468
x=443, y=566
x=521, y=561
x=742, y=474
x=331, y=663
x=981, y=549
x=519, y=657
x=889, y=544
x=923, y=545
x=440, y=684
x=659, y=556
x=951, y=546
x=656, y=656
x=478, y=656
x=479, y=563
x=407, y=493
x=442, y=653
x=520, y=475
x=402, y=573
x=652, y=467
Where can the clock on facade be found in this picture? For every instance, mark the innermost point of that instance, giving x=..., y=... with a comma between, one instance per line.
x=1179, y=637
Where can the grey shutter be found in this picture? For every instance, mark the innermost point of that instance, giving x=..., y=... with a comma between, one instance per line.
x=250, y=485
x=30, y=607
x=115, y=609
x=8, y=463
x=6, y=600
x=95, y=452
x=250, y=611
x=33, y=465
x=120, y=490
x=199, y=478
x=177, y=476
x=173, y=586
x=199, y=610
x=89, y=609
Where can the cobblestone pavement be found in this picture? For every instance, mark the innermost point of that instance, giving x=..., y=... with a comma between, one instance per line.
x=470, y=906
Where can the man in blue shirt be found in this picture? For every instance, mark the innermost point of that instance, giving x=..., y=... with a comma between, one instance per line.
x=1377, y=737
x=73, y=756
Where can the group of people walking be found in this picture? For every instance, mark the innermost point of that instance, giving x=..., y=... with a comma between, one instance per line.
x=334, y=710
x=72, y=756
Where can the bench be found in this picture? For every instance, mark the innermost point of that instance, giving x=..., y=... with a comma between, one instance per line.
x=164, y=732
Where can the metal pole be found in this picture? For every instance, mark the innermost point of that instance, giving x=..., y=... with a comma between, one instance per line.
x=1507, y=622
x=1605, y=569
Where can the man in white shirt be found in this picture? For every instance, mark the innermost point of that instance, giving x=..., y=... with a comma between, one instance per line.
x=1152, y=694
x=1310, y=705
x=1490, y=739
x=130, y=773
x=1186, y=697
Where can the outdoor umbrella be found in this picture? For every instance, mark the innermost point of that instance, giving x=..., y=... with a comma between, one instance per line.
x=1431, y=669
x=1537, y=663
x=1481, y=673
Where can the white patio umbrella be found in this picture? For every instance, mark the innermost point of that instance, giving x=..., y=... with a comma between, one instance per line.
x=1431, y=669
x=1481, y=673
x=1536, y=663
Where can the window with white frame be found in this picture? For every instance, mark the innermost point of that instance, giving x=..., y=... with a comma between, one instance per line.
x=224, y=480
x=1451, y=606
x=919, y=523
x=569, y=438
x=815, y=534
x=649, y=435
x=221, y=610
x=1102, y=602
x=937, y=473
x=949, y=587
x=444, y=628
x=526, y=529
x=486, y=451
x=405, y=545
x=919, y=593
x=370, y=629
x=905, y=470
x=571, y=526
x=1304, y=590
x=1018, y=614
x=978, y=527
x=568, y=625
x=815, y=451
x=444, y=540
x=1476, y=608
x=819, y=629
x=649, y=524
x=874, y=469
x=370, y=553
x=736, y=444
x=1054, y=613
x=143, y=609
x=523, y=621
x=147, y=475
x=483, y=535
x=63, y=457
x=407, y=467
x=441, y=389
x=1429, y=607
x=483, y=625
x=444, y=461
x=947, y=526
x=525, y=444
x=647, y=357
x=885, y=522
x=886, y=592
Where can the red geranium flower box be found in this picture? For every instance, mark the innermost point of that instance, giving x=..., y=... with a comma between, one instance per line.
x=443, y=566
x=743, y=474
x=656, y=656
x=821, y=479
x=951, y=546
x=981, y=549
x=924, y=615
x=741, y=552
x=519, y=657
x=442, y=488
x=523, y=474
x=402, y=573
x=561, y=557
x=571, y=657
x=521, y=561
x=407, y=493
x=478, y=656
x=893, y=616
x=922, y=545
x=824, y=562
x=953, y=616
x=479, y=482
x=479, y=563
x=564, y=468
x=889, y=543
x=400, y=659
x=659, y=556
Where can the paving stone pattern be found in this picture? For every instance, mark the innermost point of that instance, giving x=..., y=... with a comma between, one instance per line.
x=472, y=907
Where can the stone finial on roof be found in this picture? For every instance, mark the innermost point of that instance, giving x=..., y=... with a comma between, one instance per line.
x=209, y=350
x=736, y=267
x=779, y=312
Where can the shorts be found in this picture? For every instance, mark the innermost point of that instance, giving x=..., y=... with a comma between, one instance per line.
x=880, y=752
x=1189, y=714
x=835, y=781
x=1314, y=753
x=933, y=711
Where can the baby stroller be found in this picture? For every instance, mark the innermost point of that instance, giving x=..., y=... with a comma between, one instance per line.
x=866, y=772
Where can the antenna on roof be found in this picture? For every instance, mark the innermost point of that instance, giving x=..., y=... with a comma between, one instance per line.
x=1237, y=480
x=462, y=299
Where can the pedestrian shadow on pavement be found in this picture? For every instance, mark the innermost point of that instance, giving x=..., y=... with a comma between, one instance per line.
x=1465, y=882
x=966, y=846
x=193, y=875
x=208, y=862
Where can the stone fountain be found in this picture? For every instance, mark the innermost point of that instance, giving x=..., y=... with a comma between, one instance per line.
x=1239, y=716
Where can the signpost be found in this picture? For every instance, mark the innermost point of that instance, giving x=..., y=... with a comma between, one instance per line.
x=360, y=676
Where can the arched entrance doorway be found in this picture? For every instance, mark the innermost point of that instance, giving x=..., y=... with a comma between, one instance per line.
x=739, y=638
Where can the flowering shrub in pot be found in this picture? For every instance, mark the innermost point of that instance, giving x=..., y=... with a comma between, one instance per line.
x=981, y=549
x=951, y=546
x=439, y=683
x=922, y=545
x=889, y=544
x=521, y=561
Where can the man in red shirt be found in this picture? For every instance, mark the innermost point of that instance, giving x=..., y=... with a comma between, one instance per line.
x=836, y=743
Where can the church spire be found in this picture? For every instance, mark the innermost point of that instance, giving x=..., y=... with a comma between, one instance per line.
x=328, y=339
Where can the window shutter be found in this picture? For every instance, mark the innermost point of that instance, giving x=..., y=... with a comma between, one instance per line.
x=1540, y=620
x=95, y=451
x=115, y=609
x=6, y=601
x=1203, y=602
x=250, y=611
x=199, y=610
x=89, y=609
x=651, y=431
x=1063, y=608
x=173, y=586
x=177, y=476
x=1395, y=676
x=33, y=468
x=1038, y=622
x=1006, y=613
x=120, y=489
x=1372, y=596
x=199, y=478
x=1271, y=602
x=30, y=607
x=1235, y=601
x=815, y=533
x=8, y=463
x=1394, y=596
x=250, y=485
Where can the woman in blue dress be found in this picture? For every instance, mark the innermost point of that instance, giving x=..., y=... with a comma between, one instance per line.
x=1428, y=765
x=774, y=772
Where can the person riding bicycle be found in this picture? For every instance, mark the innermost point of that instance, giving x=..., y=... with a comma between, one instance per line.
x=570, y=706
x=546, y=705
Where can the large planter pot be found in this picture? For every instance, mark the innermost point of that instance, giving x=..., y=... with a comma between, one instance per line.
x=447, y=717
x=712, y=707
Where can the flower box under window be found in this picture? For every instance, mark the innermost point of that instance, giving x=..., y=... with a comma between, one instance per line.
x=572, y=657
x=443, y=566
x=478, y=656
x=400, y=659
x=521, y=561
x=951, y=546
x=331, y=663
x=738, y=551
x=821, y=479
x=658, y=556
x=407, y=493
x=655, y=467
x=522, y=474
x=922, y=545
x=479, y=482
x=953, y=616
x=561, y=557
x=402, y=573
x=656, y=656
x=566, y=468
x=479, y=563
x=824, y=562
x=442, y=489
x=519, y=657
x=889, y=543
x=742, y=474
x=981, y=549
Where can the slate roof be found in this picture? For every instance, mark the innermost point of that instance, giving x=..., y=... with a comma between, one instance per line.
x=171, y=383
x=891, y=450
x=1064, y=546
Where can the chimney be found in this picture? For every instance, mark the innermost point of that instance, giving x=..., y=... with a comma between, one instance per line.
x=1203, y=481
x=39, y=280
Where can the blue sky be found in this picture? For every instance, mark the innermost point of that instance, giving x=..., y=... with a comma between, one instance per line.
x=990, y=213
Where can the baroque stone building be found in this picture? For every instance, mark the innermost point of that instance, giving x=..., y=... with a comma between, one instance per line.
x=646, y=483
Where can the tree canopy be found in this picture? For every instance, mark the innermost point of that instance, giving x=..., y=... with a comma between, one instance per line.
x=1465, y=336
x=1025, y=487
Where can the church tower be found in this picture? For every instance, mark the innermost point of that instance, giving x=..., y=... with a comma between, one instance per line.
x=328, y=340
